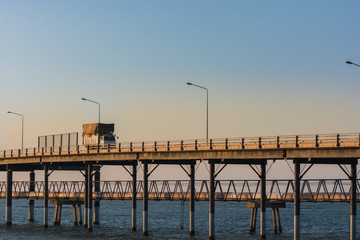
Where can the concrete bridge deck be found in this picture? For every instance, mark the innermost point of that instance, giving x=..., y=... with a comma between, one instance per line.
x=338, y=147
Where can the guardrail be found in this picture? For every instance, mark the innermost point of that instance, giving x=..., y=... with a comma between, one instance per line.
x=283, y=142
x=312, y=190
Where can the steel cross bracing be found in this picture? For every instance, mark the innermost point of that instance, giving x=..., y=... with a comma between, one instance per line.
x=346, y=140
x=312, y=190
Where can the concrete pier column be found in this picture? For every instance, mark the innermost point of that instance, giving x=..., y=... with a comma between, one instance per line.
x=46, y=196
x=134, y=195
x=253, y=219
x=97, y=202
x=278, y=219
x=59, y=216
x=90, y=197
x=192, y=199
x=56, y=212
x=79, y=213
x=8, y=214
x=274, y=220
x=212, y=201
x=353, y=201
x=145, y=200
x=31, y=202
x=86, y=187
x=263, y=201
x=75, y=215
x=296, y=200
x=182, y=215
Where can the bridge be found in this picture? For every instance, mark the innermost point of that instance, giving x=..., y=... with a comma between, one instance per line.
x=300, y=150
x=312, y=190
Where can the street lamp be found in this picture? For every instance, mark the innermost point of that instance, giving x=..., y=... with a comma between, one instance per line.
x=85, y=99
x=207, y=106
x=349, y=62
x=22, y=128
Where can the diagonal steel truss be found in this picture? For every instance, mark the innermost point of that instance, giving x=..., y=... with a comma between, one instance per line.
x=312, y=190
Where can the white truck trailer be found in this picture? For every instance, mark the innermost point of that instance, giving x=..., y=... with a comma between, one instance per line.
x=98, y=134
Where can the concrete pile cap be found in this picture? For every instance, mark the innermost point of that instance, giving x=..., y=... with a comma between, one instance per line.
x=97, y=128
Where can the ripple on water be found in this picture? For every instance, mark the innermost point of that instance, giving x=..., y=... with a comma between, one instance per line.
x=318, y=221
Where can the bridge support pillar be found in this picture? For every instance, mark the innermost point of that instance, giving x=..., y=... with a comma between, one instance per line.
x=278, y=219
x=86, y=187
x=97, y=202
x=8, y=214
x=212, y=201
x=263, y=202
x=57, y=214
x=134, y=195
x=80, y=216
x=192, y=199
x=145, y=200
x=75, y=215
x=31, y=202
x=297, y=199
x=46, y=196
x=353, y=201
x=253, y=220
x=90, y=197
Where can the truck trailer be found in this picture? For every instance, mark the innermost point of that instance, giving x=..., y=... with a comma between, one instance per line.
x=98, y=134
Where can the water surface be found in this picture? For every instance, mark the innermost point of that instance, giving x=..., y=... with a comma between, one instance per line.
x=318, y=221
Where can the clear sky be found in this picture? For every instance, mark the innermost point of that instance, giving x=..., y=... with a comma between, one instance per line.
x=271, y=67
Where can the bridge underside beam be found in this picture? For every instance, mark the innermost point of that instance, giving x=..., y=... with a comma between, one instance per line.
x=239, y=161
x=21, y=168
x=33, y=167
x=75, y=166
x=327, y=160
x=170, y=162
x=118, y=163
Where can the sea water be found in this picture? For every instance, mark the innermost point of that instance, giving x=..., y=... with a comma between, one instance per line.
x=232, y=221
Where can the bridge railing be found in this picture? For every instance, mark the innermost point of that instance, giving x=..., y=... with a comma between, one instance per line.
x=294, y=141
x=312, y=190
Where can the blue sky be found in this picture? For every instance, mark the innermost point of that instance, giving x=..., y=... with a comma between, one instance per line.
x=271, y=67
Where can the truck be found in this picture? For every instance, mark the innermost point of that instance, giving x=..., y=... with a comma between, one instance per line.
x=101, y=134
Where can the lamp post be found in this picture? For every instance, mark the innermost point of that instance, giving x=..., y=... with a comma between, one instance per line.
x=22, y=128
x=353, y=190
x=349, y=62
x=85, y=99
x=207, y=107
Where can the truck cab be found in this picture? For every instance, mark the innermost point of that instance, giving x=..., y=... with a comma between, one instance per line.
x=107, y=139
